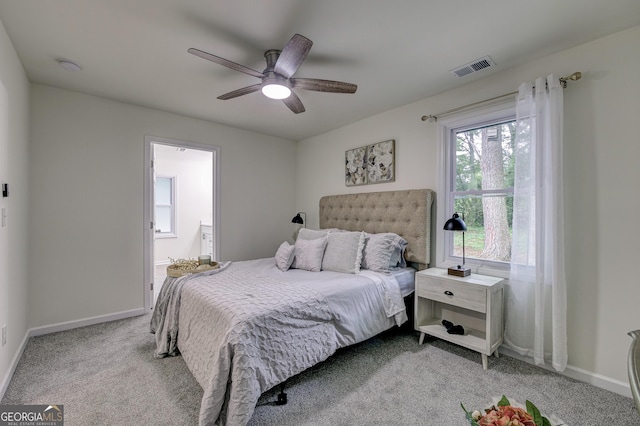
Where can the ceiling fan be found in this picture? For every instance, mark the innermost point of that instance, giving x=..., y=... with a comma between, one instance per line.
x=277, y=81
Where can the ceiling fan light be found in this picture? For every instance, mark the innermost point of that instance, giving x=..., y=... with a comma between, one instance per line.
x=276, y=91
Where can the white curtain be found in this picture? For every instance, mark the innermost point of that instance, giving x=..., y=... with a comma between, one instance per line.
x=535, y=323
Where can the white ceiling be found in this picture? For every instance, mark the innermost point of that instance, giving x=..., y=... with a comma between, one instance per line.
x=396, y=51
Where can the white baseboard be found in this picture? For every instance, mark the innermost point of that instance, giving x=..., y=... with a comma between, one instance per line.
x=613, y=385
x=607, y=383
x=63, y=326
x=14, y=364
x=69, y=325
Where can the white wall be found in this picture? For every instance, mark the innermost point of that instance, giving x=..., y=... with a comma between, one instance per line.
x=193, y=170
x=14, y=136
x=601, y=178
x=86, y=213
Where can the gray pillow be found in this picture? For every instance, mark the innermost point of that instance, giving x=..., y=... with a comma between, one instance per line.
x=311, y=234
x=397, y=259
x=284, y=256
x=383, y=252
x=343, y=252
x=309, y=254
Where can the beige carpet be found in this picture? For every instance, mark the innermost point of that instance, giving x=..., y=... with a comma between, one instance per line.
x=106, y=375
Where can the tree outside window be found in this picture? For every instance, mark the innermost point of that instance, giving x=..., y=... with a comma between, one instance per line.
x=481, y=189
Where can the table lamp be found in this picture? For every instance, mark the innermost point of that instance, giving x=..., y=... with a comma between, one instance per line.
x=457, y=224
x=298, y=219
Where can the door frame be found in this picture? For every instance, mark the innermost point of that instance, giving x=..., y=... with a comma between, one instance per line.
x=148, y=226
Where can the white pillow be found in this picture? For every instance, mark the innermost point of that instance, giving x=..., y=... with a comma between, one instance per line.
x=311, y=234
x=309, y=254
x=383, y=251
x=343, y=252
x=284, y=256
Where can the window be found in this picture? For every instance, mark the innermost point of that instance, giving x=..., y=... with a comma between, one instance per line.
x=165, y=206
x=479, y=186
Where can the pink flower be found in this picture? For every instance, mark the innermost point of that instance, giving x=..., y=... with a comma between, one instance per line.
x=506, y=416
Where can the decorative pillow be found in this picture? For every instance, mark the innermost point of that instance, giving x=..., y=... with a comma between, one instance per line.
x=397, y=259
x=311, y=234
x=284, y=256
x=343, y=252
x=384, y=251
x=309, y=254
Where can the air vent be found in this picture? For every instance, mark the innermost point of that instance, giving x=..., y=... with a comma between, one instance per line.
x=474, y=66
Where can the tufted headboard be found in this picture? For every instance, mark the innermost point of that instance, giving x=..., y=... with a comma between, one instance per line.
x=406, y=213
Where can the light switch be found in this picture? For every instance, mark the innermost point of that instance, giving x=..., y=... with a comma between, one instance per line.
x=4, y=217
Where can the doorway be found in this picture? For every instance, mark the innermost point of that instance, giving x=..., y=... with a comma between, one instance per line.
x=181, y=207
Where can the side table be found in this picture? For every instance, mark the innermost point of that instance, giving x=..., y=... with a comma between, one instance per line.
x=474, y=301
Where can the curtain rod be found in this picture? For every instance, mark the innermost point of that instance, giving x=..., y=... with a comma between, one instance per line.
x=434, y=117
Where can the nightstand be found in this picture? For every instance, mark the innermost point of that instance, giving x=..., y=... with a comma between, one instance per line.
x=475, y=302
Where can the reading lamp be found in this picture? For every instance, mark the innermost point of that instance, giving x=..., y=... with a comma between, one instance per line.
x=298, y=219
x=457, y=224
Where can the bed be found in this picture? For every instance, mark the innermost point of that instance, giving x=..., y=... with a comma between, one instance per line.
x=249, y=326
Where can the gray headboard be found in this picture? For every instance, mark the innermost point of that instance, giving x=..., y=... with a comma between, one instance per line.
x=406, y=213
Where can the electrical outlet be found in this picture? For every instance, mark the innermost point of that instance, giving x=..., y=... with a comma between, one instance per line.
x=4, y=334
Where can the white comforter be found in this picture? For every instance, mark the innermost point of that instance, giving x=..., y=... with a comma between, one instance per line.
x=247, y=328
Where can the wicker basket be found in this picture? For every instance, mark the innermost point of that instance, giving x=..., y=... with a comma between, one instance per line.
x=177, y=273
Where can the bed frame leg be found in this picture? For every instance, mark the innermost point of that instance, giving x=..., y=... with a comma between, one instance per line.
x=282, y=397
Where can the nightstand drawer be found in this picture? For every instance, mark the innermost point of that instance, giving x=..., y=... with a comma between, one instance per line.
x=452, y=293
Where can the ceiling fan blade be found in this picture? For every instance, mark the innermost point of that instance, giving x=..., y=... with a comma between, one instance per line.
x=294, y=103
x=225, y=62
x=319, y=85
x=240, y=92
x=292, y=55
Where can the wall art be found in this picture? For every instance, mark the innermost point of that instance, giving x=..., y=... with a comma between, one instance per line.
x=381, y=162
x=356, y=166
x=373, y=163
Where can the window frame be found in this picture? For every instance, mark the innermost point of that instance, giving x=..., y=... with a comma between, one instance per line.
x=172, y=207
x=504, y=110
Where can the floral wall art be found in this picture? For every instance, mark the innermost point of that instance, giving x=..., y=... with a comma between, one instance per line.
x=370, y=164
x=356, y=166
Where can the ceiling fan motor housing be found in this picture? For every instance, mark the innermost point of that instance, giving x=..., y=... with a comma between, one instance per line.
x=274, y=85
x=271, y=56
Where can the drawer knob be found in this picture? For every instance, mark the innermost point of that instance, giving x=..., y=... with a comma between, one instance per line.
x=448, y=293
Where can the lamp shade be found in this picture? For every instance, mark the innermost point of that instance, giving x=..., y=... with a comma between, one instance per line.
x=297, y=219
x=455, y=224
